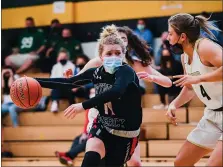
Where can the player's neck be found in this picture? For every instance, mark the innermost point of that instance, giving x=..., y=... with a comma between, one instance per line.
x=188, y=49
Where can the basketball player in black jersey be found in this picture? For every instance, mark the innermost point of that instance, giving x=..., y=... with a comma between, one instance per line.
x=114, y=134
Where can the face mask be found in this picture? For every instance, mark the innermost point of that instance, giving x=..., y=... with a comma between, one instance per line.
x=176, y=48
x=112, y=63
x=92, y=95
x=30, y=29
x=140, y=27
x=81, y=66
x=166, y=58
x=63, y=62
x=66, y=38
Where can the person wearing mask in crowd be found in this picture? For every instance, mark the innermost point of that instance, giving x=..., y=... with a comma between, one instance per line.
x=143, y=32
x=68, y=42
x=82, y=91
x=169, y=67
x=63, y=63
x=54, y=36
x=30, y=46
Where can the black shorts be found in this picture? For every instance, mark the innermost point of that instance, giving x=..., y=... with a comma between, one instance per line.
x=118, y=149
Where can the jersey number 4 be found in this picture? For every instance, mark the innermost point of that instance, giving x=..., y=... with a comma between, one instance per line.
x=204, y=93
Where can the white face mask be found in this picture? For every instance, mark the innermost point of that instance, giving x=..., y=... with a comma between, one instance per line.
x=140, y=27
x=112, y=63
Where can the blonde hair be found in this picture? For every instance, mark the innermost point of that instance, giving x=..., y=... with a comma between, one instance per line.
x=110, y=36
x=192, y=25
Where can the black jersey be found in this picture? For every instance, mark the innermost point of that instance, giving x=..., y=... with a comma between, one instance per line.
x=118, y=97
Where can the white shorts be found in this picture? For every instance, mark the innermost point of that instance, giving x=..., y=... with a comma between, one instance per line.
x=92, y=114
x=208, y=130
x=19, y=59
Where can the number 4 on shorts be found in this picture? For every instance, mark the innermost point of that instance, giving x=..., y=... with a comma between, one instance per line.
x=204, y=93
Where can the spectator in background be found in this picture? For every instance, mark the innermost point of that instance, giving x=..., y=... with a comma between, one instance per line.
x=8, y=77
x=169, y=67
x=53, y=37
x=72, y=45
x=144, y=33
x=79, y=143
x=159, y=53
x=63, y=63
x=83, y=91
x=30, y=45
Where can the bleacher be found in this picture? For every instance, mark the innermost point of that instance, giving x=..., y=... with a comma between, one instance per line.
x=40, y=134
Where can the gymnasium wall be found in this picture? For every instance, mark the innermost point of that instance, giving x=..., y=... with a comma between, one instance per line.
x=86, y=18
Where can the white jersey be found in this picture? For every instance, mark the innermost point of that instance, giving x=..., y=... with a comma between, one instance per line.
x=210, y=93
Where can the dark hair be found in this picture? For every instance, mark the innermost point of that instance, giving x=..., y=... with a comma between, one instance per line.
x=205, y=14
x=82, y=56
x=9, y=67
x=55, y=21
x=138, y=45
x=29, y=19
x=192, y=25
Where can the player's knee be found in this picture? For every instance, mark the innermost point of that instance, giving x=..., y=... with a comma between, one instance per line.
x=180, y=162
x=134, y=162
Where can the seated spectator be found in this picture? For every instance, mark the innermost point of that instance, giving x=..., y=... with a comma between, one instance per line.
x=8, y=77
x=79, y=143
x=63, y=63
x=143, y=32
x=68, y=42
x=30, y=45
x=53, y=37
x=83, y=91
x=169, y=67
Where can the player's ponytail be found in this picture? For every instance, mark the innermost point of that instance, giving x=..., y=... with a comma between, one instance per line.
x=191, y=26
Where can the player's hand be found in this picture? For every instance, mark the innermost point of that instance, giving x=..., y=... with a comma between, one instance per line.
x=145, y=75
x=83, y=137
x=68, y=73
x=73, y=110
x=170, y=114
x=186, y=80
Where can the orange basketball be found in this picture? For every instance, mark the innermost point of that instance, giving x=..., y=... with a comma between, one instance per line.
x=26, y=92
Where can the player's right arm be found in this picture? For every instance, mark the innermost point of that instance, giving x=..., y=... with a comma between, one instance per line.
x=67, y=83
x=186, y=94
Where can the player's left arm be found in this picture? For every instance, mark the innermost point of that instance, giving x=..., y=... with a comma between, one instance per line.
x=211, y=53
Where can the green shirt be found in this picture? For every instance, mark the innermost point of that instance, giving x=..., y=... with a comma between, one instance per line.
x=73, y=47
x=30, y=41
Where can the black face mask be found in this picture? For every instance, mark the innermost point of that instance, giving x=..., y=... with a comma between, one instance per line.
x=176, y=48
x=63, y=62
x=66, y=38
x=31, y=29
x=166, y=58
x=81, y=66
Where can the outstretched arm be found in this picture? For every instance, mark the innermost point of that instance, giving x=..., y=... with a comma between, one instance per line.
x=67, y=83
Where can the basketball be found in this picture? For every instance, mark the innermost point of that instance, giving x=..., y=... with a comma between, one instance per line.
x=26, y=92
